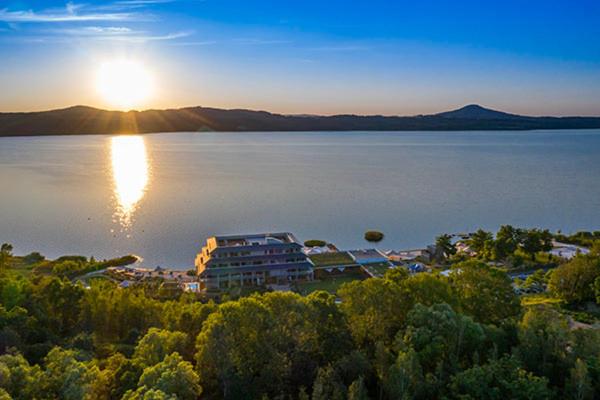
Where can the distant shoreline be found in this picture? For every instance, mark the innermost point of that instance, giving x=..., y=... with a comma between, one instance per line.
x=81, y=120
x=305, y=131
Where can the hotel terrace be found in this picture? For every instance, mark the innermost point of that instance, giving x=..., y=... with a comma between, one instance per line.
x=250, y=260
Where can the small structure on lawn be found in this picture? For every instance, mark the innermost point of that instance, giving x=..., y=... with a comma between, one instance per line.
x=402, y=256
x=417, y=268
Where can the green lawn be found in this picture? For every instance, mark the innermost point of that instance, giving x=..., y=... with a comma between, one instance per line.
x=329, y=259
x=330, y=285
x=377, y=268
x=17, y=266
x=540, y=298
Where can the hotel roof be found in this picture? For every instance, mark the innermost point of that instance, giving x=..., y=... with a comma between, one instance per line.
x=255, y=239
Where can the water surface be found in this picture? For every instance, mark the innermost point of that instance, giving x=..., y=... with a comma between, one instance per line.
x=161, y=195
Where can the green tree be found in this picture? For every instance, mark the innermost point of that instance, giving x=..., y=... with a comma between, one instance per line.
x=507, y=241
x=375, y=309
x=66, y=377
x=233, y=358
x=13, y=292
x=328, y=385
x=444, y=247
x=543, y=339
x=429, y=289
x=332, y=337
x=481, y=242
x=173, y=376
x=405, y=377
x=536, y=279
x=352, y=366
x=533, y=241
x=442, y=339
x=157, y=344
x=574, y=281
x=119, y=374
x=19, y=379
x=579, y=385
x=396, y=275
x=151, y=394
x=5, y=255
x=485, y=293
x=499, y=380
x=358, y=390
x=117, y=316
x=186, y=315
x=296, y=336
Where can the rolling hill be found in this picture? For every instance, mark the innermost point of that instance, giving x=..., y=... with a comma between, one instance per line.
x=80, y=120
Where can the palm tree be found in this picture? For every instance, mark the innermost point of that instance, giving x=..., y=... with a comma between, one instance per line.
x=5, y=253
x=444, y=247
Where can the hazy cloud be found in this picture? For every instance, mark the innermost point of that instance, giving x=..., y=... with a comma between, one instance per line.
x=336, y=48
x=96, y=31
x=256, y=41
x=143, y=2
x=138, y=38
x=115, y=34
x=71, y=13
x=132, y=4
x=195, y=43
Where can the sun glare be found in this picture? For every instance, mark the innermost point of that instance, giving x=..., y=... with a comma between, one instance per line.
x=130, y=169
x=124, y=84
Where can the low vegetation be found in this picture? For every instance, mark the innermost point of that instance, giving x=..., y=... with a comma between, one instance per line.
x=373, y=236
x=315, y=243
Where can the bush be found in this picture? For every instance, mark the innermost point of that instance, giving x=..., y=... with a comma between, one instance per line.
x=315, y=243
x=373, y=236
x=33, y=258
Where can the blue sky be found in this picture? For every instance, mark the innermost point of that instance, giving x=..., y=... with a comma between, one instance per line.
x=375, y=57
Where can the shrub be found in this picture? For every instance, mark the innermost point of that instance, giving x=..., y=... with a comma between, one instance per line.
x=315, y=243
x=373, y=236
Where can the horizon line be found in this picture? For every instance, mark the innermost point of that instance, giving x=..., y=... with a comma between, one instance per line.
x=298, y=114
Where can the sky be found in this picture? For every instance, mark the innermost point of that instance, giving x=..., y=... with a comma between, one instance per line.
x=307, y=57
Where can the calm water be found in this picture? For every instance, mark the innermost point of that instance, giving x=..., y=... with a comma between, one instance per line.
x=161, y=195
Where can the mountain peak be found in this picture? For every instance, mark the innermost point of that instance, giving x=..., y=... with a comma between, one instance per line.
x=475, y=107
x=475, y=111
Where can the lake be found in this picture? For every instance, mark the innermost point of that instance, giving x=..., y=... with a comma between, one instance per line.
x=161, y=195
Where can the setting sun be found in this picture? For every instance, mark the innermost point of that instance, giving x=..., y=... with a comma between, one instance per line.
x=124, y=83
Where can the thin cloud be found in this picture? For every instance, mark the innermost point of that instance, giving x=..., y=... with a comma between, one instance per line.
x=96, y=31
x=143, y=2
x=196, y=43
x=71, y=13
x=255, y=41
x=147, y=38
x=342, y=48
x=132, y=4
x=73, y=36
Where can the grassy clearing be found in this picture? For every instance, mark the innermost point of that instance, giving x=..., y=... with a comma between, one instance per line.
x=540, y=298
x=18, y=267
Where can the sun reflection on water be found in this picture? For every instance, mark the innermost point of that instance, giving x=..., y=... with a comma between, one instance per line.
x=130, y=170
